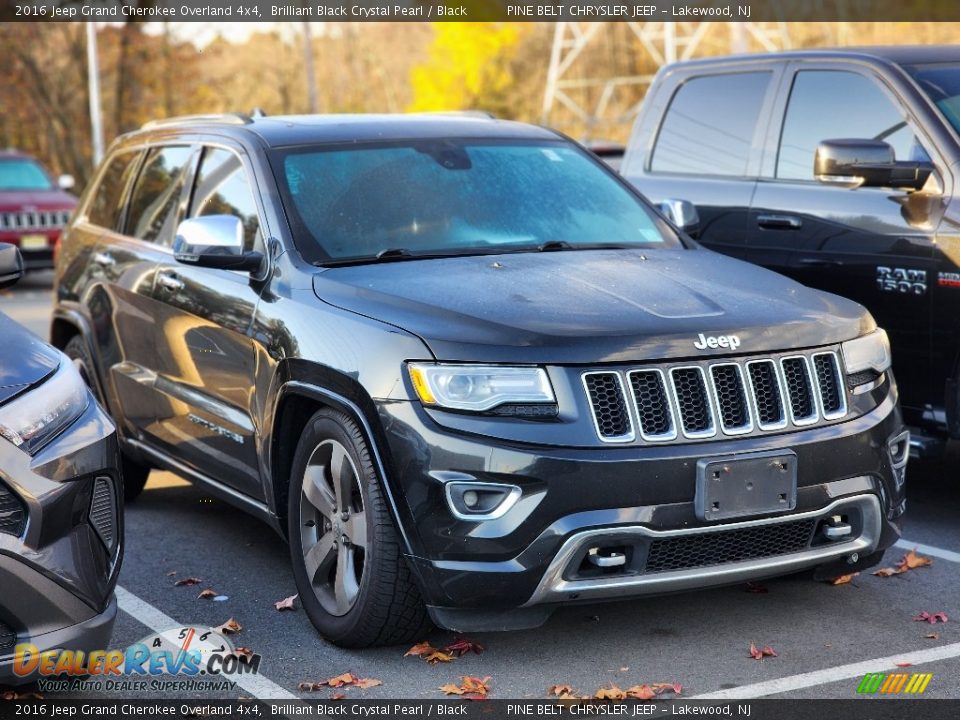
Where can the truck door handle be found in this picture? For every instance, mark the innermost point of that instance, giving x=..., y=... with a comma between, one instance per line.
x=820, y=262
x=103, y=259
x=169, y=281
x=779, y=222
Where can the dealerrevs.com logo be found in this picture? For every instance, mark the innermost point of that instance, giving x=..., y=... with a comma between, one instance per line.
x=894, y=683
x=186, y=653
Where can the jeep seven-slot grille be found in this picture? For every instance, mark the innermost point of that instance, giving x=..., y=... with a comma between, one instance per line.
x=713, y=399
x=34, y=220
x=718, y=548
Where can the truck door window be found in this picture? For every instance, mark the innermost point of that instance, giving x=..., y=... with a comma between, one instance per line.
x=830, y=104
x=709, y=126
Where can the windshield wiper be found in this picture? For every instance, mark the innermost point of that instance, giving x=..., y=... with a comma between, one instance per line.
x=393, y=253
x=551, y=245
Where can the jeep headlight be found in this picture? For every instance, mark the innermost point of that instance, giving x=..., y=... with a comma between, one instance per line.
x=43, y=411
x=870, y=352
x=479, y=388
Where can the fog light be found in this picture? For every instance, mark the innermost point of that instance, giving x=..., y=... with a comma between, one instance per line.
x=476, y=501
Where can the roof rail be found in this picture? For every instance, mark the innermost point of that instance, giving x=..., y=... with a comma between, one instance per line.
x=230, y=118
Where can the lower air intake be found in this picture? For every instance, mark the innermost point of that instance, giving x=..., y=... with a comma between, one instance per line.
x=103, y=511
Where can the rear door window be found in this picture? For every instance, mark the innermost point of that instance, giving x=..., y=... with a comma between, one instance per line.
x=155, y=203
x=710, y=125
x=104, y=210
x=834, y=104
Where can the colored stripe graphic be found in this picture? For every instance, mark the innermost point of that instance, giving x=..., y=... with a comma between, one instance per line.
x=894, y=683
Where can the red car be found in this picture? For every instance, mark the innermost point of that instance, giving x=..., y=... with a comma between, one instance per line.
x=33, y=207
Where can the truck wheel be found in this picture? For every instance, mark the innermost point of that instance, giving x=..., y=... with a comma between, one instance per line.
x=134, y=474
x=354, y=583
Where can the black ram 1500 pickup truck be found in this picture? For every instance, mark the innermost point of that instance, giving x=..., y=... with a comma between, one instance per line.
x=838, y=168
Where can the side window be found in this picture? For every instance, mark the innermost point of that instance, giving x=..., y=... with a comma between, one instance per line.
x=104, y=208
x=223, y=188
x=155, y=201
x=833, y=104
x=709, y=126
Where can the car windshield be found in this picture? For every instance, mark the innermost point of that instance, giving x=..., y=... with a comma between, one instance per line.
x=23, y=174
x=941, y=83
x=455, y=197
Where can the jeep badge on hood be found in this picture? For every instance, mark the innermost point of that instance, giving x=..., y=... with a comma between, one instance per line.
x=724, y=341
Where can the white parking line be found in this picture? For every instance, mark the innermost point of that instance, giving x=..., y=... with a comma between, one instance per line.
x=929, y=550
x=258, y=686
x=831, y=675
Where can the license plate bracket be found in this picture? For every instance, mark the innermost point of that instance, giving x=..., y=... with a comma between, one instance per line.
x=752, y=484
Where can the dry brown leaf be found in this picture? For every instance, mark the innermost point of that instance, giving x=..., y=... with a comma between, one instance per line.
x=338, y=696
x=932, y=636
x=341, y=680
x=887, y=572
x=475, y=685
x=758, y=654
x=420, y=649
x=286, y=603
x=187, y=581
x=912, y=561
x=932, y=618
x=560, y=690
x=438, y=656
x=364, y=683
x=843, y=579
x=207, y=594
x=610, y=693
x=641, y=692
x=461, y=646
x=451, y=689
x=230, y=627
x=675, y=688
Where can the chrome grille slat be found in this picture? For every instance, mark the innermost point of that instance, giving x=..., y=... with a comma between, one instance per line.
x=40, y=220
x=708, y=400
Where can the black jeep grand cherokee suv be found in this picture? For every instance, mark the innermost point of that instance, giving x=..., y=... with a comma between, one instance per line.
x=468, y=371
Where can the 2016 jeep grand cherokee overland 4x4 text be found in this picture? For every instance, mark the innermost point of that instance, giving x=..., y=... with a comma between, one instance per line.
x=468, y=372
x=839, y=169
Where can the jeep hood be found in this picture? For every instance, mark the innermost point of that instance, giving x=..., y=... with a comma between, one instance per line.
x=591, y=306
x=24, y=359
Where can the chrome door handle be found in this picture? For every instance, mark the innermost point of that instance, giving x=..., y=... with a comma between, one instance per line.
x=103, y=259
x=169, y=281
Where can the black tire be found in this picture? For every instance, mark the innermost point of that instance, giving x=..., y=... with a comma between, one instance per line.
x=134, y=474
x=358, y=592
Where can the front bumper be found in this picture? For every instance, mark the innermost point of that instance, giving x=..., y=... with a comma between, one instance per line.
x=511, y=571
x=59, y=569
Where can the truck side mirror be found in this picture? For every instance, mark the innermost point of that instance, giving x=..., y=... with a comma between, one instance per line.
x=683, y=214
x=11, y=265
x=867, y=163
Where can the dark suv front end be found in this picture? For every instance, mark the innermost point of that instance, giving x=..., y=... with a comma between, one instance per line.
x=60, y=525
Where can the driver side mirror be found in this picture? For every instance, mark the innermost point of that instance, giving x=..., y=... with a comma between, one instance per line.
x=214, y=241
x=867, y=163
x=11, y=265
x=683, y=214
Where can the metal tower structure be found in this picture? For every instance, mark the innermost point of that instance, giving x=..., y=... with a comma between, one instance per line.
x=594, y=101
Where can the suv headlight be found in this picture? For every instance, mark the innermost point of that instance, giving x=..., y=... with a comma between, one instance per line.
x=43, y=411
x=480, y=387
x=870, y=352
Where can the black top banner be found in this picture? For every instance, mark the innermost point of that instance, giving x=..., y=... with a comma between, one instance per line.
x=478, y=10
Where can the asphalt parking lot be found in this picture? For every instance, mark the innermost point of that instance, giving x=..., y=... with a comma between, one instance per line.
x=826, y=637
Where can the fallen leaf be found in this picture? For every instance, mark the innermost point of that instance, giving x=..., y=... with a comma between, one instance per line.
x=230, y=627
x=438, y=656
x=675, y=688
x=187, y=581
x=610, y=693
x=364, y=683
x=451, y=689
x=475, y=685
x=624, y=668
x=933, y=619
x=904, y=664
x=757, y=654
x=753, y=587
x=560, y=690
x=207, y=594
x=887, y=572
x=306, y=686
x=420, y=649
x=337, y=696
x=461, y=646
x=171, y=573
x=286, y=603
x=912, y=561
x=243, y=652
x=843, y=579
x=341, y=680
x=641, y=692
x=932, y=636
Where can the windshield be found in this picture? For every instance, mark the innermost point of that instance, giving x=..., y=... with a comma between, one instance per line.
x=941, y=83
x=446, y=197
x=23, y=174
